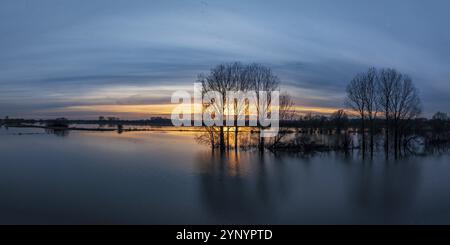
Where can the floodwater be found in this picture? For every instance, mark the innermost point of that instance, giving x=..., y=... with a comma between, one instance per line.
x=167, y=178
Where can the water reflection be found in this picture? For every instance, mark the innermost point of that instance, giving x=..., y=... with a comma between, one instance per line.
x=243, y=186
x=165, y=178
x=61, y=132
x=386, y=191
x=234, y=188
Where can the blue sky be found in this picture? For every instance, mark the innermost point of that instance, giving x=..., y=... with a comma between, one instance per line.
x=58, y=58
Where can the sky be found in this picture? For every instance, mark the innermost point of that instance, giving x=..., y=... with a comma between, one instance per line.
x=83, y=59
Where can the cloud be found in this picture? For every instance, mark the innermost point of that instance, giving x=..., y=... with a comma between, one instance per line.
x=60, y=54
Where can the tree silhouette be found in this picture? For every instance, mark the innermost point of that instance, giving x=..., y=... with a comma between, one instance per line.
x=356, y=92
x=387, y=78
x=261, y=78
x=237, y=77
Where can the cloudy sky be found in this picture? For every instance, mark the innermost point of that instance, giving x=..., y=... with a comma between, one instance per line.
x=85, y=58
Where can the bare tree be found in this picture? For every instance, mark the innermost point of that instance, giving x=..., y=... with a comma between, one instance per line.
x=371, y=102
x=356, y=91
x=243, y=78
x=210, y=134
x=261, y=78
x=387, y=80
x=208, y=137
x=221, y=79
x=240, y=106
x=287, y=112
x=389, y=92
x=405, y=106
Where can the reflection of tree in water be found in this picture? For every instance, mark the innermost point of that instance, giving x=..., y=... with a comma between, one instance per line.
x=436, y=149
x=235, y=187
x=58, y=132
x=248, y=138
x=386, y=190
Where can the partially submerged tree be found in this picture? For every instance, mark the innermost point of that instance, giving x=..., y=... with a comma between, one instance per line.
x=286, y=113
x=221, y=79
x=386, y=82
x=405, y=106
x=391, y=93
x=261, y=78
x=239, y=78
x=356, y=92
x=371, y=102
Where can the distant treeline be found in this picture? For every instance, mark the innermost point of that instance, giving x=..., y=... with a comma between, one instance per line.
x=322, y=123
x=155, y=121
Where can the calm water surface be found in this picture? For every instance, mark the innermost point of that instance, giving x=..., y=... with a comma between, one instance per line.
x=167, y=178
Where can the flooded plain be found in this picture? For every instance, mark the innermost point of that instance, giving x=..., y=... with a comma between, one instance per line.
x=159, y=177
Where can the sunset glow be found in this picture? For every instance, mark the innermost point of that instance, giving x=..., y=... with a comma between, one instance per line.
x=146, y=111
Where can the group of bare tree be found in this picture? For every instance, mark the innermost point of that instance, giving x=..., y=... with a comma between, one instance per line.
x=386, y=94
x=240, y=78
x=375, y=95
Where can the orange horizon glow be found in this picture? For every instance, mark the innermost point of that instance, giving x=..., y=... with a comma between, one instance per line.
x=164, y=109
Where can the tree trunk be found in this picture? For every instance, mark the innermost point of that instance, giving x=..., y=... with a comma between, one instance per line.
x=396, y=140
x=261, y=143
x=236, y=129
x=221, y=140
x=386, y=138
x=236, y=138
x=228, y=138
x=363, y=135
x=212, y=140
x=221, y=133
x=371, y=137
